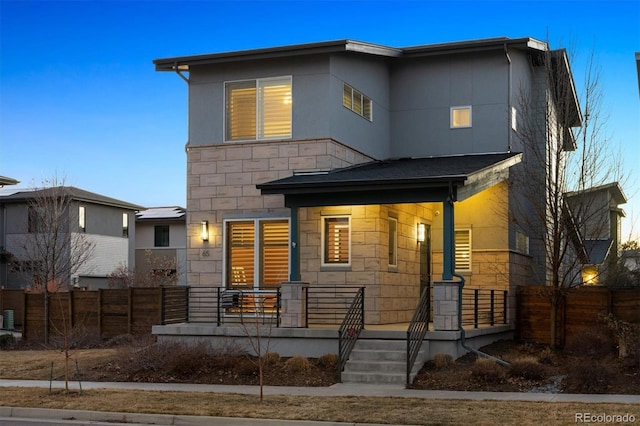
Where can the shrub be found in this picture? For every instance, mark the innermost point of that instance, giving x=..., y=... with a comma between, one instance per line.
x=271, y=358
x=593, y=342
x=588, y=377
x=328, y=361
x=442, y=361
x=547, y=357
x=527, y=368
x=6, y=340
x=298, y=363
x=247, y=367
x=486, y=371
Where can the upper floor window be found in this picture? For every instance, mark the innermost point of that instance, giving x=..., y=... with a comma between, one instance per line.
x=336, y=241
x=125, y=225
x=522, y=242
x=161, y=236
x=82, y=219
x=356, y=102
x=258, y=109
x=35, y=219
x=463, y=249
x=460, y=117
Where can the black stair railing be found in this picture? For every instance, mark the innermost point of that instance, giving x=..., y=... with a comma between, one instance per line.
x=350, y=328
x=417, y=329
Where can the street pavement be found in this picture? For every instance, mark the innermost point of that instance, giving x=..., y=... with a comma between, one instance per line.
x=14, y=414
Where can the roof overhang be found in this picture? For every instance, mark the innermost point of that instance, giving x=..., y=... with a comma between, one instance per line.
x=406, y=180
x=184, y=63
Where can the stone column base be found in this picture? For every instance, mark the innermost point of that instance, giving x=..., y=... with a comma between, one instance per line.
x=445, y=305
x=293, y=298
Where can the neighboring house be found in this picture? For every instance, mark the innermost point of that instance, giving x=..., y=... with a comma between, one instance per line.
x=597, y=211
x=161, y=236
x=105, y=222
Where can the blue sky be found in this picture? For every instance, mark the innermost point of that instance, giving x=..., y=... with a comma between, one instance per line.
x=79, y=97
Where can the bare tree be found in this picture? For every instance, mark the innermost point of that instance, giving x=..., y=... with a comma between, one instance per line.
x=566, y=155
x=55, y=248
x=158, y=271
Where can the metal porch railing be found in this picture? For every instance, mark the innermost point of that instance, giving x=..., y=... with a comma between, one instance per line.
x=484, y=307
x=350, y=328
x=417, y=329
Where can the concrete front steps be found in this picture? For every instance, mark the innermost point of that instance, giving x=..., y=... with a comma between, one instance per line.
x=380, y=361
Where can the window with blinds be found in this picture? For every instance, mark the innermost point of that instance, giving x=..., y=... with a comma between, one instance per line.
x=267, y=238
x=356, y=102
x=258, y=109
x=274, y=259
x=463, y=249
x=336, y=241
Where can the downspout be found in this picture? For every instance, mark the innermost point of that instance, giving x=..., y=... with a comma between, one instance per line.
x=509, y=92
x=452, y=273
x=463, y=342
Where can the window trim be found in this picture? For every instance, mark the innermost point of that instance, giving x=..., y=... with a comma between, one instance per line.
x=323, y=242
x=393, y=254
x=458, y=250
x=125, y=225
x=461, y=108
x=258, y=111
x=363, y=98
x=155, y=235
x=257, y=246
x=82, y=219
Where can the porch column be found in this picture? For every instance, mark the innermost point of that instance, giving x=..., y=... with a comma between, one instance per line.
x=293, y=295
x=294, y=273
x=448, y=239
x=446, y=305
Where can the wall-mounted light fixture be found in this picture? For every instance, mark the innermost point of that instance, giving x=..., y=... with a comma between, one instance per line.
x=422, y=232
x=204, y=230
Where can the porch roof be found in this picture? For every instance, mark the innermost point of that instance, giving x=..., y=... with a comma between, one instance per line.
x=404, y=180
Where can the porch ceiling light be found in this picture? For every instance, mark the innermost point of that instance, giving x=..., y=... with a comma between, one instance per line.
x=204, y=230
x=422, y=231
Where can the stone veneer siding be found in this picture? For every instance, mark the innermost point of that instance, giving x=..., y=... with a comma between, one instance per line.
x=222, y=179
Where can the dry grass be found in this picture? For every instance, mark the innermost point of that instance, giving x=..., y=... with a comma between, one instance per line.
x=397, y=411
x=36, y=364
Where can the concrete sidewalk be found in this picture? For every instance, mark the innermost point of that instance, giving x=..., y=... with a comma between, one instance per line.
x=340, y=389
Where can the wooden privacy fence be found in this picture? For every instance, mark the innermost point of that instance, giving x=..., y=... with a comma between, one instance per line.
x=580, y=308
x=109, y=312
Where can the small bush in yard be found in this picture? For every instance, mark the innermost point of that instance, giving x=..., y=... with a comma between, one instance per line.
x=6, y=340
x=442, y=361
x=547, y=357
x=298, y=363
x=271, y=358
x=328, y=361
x=594, y=343
x=247, y=367
x=527, y=368
x=588, y=377
x=486, y=371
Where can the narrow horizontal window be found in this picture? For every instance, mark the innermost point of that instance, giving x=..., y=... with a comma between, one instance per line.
x=356, y=102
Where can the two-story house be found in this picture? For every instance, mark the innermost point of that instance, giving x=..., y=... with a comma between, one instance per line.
x=327, y=162
x=318, y=166
x=161, y=243
x=106, y=225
